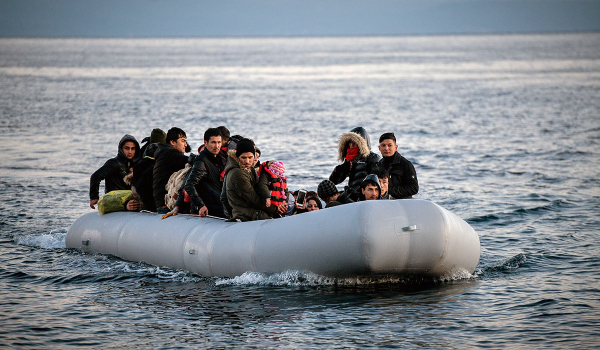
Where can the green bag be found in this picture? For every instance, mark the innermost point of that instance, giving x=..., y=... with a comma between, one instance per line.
x=114, y=201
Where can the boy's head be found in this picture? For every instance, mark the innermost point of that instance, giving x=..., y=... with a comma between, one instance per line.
x=213, y=140
x=177, y=138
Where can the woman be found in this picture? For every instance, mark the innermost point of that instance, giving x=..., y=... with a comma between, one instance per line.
x=313, y=203
x=241, y=182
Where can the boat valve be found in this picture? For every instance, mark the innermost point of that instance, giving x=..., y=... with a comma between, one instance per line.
x=86, y=242
x=192, y=251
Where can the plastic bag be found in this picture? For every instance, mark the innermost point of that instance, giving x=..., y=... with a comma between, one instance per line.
x=114, y=201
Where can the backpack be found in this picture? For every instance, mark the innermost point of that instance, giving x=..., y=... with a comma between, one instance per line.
x=174, y=185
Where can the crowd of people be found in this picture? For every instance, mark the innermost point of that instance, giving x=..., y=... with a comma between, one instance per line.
x=227, y=180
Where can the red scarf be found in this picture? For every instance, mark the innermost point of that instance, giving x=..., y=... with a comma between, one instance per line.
x=351, y=153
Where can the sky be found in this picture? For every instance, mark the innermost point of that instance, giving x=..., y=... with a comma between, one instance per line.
x=217, y=18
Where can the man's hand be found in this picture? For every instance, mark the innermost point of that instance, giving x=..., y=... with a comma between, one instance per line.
x=133, y=205
x=203, y=211
x=268, y=203
x=93, y=202
x=282, y=208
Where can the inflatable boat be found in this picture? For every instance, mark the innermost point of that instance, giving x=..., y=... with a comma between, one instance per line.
x=387, y=237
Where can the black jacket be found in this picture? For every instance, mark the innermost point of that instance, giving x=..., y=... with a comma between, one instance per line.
x=142, y=178
x=203, y=183
x=403, y=177
x=364, y=164
x=114, y=170
x=167, y=160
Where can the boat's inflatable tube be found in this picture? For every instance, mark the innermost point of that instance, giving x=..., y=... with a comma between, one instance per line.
x=387, y=237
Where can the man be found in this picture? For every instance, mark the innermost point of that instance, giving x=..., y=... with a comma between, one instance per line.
x=384, y=179
x=114, y=170
x=354, y=150
x=329, y=193
x=169, y=158
x=203, y=183
x=403, y=177
x=241, y=181
x=370, y=188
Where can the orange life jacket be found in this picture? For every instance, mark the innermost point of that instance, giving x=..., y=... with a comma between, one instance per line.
x=277, y=185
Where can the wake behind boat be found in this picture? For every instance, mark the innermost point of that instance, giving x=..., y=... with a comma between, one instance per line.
x=397, y=237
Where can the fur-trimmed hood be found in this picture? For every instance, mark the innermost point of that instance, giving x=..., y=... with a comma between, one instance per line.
x=363, y=146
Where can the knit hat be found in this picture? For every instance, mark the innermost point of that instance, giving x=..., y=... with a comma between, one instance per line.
x=245, y=145
x=277, y=168
x=158, y=135
x=326, y=189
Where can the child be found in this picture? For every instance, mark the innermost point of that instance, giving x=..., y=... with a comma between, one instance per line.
x=272, y=184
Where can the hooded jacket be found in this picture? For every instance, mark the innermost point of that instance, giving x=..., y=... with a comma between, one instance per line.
x=403, y=177
x=364, y=164
x=371, y=178
x=114, y=170
x=141, y=180
x=203, y=183
x=167, y=160
x=242, y=194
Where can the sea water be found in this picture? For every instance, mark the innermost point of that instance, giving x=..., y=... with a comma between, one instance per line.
x=503, y=130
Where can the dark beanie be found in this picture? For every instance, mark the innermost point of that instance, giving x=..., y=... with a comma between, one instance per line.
x=158, y=135
x=387, y=136
x=326, y=189
x=245, y=145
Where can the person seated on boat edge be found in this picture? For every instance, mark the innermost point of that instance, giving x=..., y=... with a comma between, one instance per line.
x=203, y=183
x=403, y=181
x=272, y=183
x=241, y=179
x=384, y=179
x=370, y=188
x=140, y=179
x=329, y=193
x=114, y=170
x=231, y=146
x=354, y=150
x=169, y=158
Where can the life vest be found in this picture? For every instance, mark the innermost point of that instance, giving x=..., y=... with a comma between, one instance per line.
x=277, y=185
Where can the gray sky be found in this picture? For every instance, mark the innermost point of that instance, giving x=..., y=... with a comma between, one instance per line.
x=168, y=18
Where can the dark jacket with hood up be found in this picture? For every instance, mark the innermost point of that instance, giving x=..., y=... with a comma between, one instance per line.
x=142, y=178
x=167, y=160
x=242, y=194
x=114, y=170
x=403, y=177
x=203, y=183
x=364, y=164
x=372, y=178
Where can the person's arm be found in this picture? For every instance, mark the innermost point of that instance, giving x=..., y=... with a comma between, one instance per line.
x=341, y=172
x=196, y=174
x=263, y=186
x=409, y=184
x=105, y=171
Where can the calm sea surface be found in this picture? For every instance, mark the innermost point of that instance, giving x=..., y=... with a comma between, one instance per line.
x=504, y=131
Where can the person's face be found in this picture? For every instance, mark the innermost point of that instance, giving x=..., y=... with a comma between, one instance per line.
x=383, y=182
x=247, y=159
x=213, y=145
x=333, y=198
x=256, y=157
x=179, y=144
x=129, y=149
x=388, y=148
x=370, y=192
x=352, y=145
x=312, y=205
